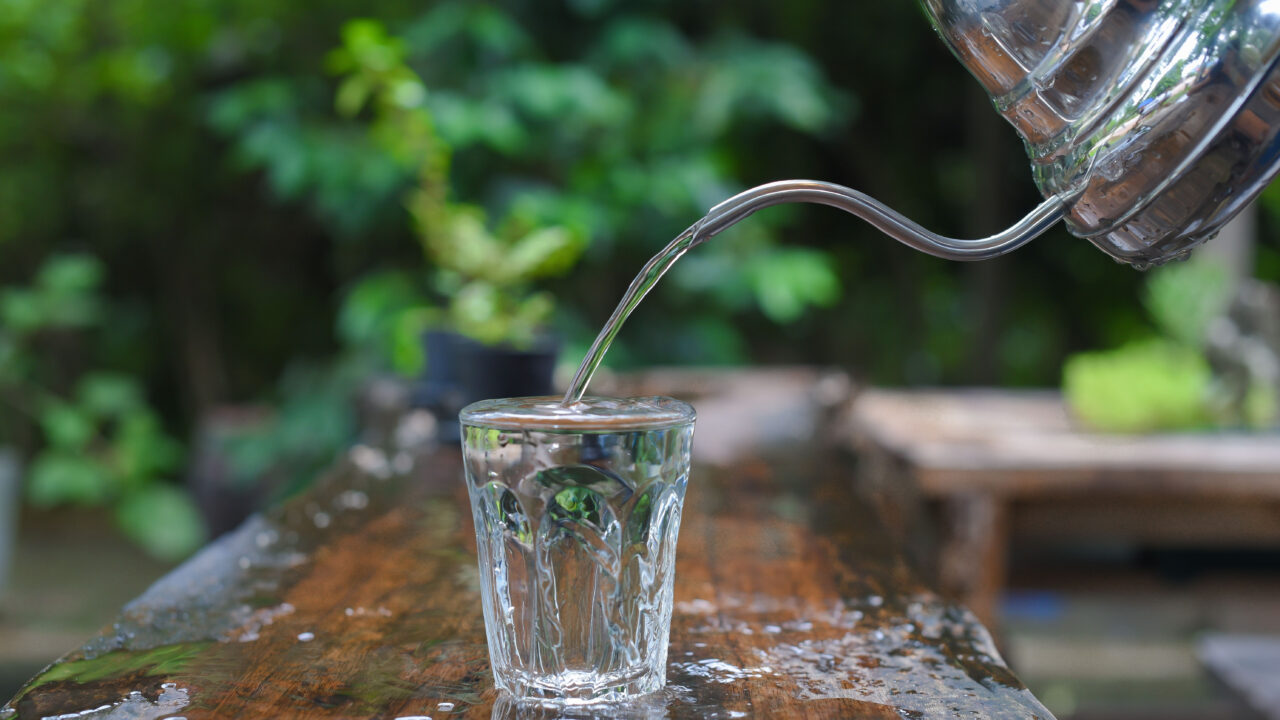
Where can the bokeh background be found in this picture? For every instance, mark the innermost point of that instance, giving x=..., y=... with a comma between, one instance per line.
x=216, y=225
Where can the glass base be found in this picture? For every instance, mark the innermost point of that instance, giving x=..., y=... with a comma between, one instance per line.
x=573, y=687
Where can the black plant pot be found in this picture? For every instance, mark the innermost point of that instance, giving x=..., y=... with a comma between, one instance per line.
x=461, y=371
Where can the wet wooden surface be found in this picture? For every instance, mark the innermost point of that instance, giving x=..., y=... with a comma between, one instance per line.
x=359, y=600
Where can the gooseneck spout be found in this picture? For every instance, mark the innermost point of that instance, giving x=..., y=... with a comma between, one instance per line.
x=883, y=218
x=738, y=207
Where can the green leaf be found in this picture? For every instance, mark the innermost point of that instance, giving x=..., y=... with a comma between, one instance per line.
x=109, y=394
x=494, y=34
x=69, y=274
x=368, y=47
x=58, y=477
x=67, y=427
x=463, y=122
x=21, y=311
x=563, y=93
x=408, y=357
x=352, y=94
x=142, y=451
x=163, y=520
x=477, y=311
x=252, y=101
x=751, y=78
x=465, y=245
x=642, y=44
x=373, y=304
x=549, y=251
x=787, y=281
x=63, y=296
x=533, y=312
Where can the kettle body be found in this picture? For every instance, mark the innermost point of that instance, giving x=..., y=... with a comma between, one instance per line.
x=1154, y=121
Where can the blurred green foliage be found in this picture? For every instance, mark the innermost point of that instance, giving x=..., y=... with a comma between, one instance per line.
x=1163, y=381
x=91, y=436
x=1143, y=386
x=483, y=273
x=252, y=193
x=312, y=419
x=561, y=152
x=629, y=130
x=1183, y=298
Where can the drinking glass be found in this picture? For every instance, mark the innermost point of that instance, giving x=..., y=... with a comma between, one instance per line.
x=576, y=513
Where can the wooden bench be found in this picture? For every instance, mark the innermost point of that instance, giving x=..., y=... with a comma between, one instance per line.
x=1248, y=666
x=359, y=599
x=1012, y=463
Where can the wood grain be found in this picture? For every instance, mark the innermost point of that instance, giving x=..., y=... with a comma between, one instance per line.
x=359, y=600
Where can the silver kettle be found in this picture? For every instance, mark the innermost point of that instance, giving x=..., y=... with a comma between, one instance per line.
x=1149, y=123
x=1154, y=121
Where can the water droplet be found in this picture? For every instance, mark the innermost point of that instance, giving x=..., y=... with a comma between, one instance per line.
x=371, y=460
x=444, y=706
x=416, y=429
x=351, y=500
x=402, y=463
x=321, y=519
x=306, y=637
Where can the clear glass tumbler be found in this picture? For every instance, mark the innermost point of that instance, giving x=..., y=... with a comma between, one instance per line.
x=577, y=512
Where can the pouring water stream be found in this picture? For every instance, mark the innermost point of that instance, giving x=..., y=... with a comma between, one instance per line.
x=738, y=207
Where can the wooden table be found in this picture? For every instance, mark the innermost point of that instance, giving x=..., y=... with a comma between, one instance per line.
x=359, y=600
x=1248, y=666
x=1004, y=463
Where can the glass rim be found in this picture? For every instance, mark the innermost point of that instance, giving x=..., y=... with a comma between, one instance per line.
x=591, y=414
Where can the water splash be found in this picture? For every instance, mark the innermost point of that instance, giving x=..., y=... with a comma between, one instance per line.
x=170, y=699
x=903, y=655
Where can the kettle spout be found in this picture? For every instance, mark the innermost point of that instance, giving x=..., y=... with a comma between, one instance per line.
x=882, y=217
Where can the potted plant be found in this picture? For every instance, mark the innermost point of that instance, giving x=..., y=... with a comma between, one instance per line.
x=485, y=328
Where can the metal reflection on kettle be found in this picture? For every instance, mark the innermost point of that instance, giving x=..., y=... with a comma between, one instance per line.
x=1151, y=122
